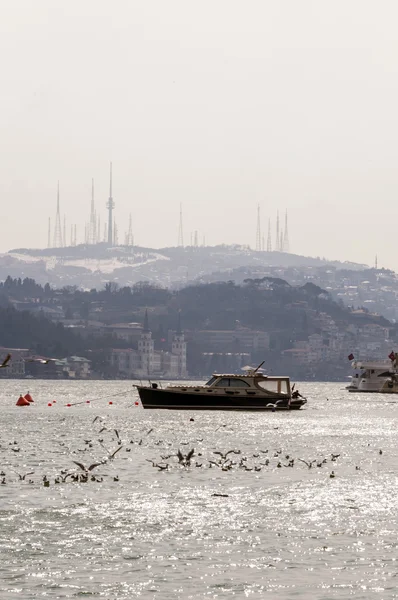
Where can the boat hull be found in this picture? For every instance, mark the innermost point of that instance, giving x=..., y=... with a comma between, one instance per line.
x=165, y=399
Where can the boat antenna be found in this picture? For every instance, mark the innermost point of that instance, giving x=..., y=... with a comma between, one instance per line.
x=260, y=365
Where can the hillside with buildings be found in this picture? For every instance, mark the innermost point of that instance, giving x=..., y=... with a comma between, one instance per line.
x=146, y=331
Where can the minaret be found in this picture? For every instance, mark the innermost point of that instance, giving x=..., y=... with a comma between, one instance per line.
x=269, y=241
x=146, y=349
x=57, y=228
x=281, y=248
x=277, y=239
x=376, y=261
x=179, y=349
x=110, y=206
x=258, y=230
x=180, y=230
x=49, y=233
x=286, y=245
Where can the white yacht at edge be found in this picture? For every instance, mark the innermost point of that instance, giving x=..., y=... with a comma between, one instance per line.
x=375, y=376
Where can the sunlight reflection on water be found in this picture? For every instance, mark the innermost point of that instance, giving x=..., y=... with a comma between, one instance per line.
x=283, y=531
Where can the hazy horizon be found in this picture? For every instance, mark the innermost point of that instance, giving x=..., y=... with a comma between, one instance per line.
x=218, y=106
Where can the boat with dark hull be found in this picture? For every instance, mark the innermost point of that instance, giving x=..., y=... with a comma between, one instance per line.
x=252, y=391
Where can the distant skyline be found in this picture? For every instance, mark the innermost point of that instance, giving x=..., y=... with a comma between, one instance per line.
x=218, y=106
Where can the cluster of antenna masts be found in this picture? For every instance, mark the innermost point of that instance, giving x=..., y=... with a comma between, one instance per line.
x=92, y=228
x=281, y=241
x=194, y=235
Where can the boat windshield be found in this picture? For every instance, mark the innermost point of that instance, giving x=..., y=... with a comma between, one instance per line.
x=280, y=386
x=211, y=381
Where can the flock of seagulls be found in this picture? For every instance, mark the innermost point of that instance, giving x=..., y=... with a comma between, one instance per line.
x=104, y=436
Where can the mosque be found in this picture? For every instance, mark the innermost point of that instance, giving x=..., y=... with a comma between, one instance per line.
x=145, y=362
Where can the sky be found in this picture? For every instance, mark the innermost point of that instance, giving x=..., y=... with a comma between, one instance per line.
x=218, y=105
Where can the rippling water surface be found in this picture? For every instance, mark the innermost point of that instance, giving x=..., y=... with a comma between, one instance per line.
x=285, y=532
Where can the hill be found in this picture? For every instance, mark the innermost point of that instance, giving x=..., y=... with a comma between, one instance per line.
x=89, y=266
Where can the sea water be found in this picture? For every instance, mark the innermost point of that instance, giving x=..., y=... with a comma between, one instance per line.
x=243, y=527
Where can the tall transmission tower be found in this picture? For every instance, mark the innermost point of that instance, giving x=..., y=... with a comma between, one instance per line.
x=258, y=230
x=281, y=248
x=57, y=229
x=64, y=234
x=277, y=239
x=110, y=206
x=115, y=234
x=286, y=244
x=129, y=235
x=93, y=218
x=269, y=240
x=49, y=233
x=180, y=230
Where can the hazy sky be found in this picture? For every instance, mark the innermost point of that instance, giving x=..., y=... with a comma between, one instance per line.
x=218, y=104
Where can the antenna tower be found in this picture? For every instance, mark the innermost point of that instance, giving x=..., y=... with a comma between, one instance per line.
x=258, y=230
x=286, y=244
x=129, y=235
x=57, y=229
x=277, y=239
x=110, y=206
x=93, y=218
x=64, y=234
x=49, y=233
x=180, y=230
x=115, y=234
x=281, y=249
x=269, y=241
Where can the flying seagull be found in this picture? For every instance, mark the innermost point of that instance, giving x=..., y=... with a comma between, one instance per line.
x=90, y=468
x=5, y=361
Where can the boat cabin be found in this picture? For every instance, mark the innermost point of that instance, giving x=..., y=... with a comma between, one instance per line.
x=263, y=383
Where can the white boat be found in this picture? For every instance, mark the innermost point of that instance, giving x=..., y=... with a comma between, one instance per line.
x=374, y=376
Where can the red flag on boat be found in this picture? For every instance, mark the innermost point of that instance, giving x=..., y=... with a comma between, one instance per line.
x=391, y=356
x=351, y=357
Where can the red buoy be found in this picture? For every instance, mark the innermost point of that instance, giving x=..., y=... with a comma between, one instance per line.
x=136, y=403
x=111, y=402
x=54, y=401
x=28, y=397
x=49, y=404
x=69, y=405
x=22, y=401
x=87, y=401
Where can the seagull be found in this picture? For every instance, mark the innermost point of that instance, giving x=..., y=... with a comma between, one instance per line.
x=185, y=460
x=22, y=477
x=224, y=456
x=159, y=466
x=309, y=464
x=5, y=361
x=90, y=468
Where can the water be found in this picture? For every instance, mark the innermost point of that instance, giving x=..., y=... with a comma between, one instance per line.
x=281, y=532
